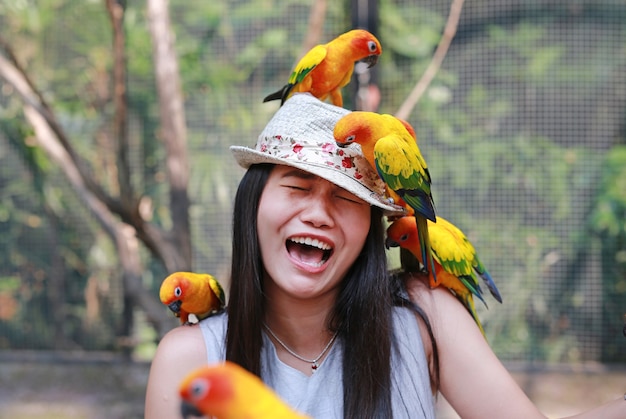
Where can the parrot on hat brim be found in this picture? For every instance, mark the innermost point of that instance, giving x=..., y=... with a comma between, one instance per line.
x=390, y=146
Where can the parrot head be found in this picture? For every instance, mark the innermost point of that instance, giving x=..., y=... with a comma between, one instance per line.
x=173, y=290
x=208, y=390
x=367, y=45
x=353, y=128
x=402, y=233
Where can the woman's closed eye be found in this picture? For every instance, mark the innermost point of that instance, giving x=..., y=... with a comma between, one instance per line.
x=349, y=198
x=296, y=187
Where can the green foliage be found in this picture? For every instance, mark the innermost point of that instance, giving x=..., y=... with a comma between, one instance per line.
x=608, y=221
x=610, y=208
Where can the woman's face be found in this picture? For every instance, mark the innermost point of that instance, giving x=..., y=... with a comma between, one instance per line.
x=310, y=232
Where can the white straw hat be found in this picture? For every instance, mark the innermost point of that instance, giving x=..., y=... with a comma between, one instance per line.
x=300, y=135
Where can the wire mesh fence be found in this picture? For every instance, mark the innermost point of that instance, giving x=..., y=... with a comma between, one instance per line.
x=519, y=128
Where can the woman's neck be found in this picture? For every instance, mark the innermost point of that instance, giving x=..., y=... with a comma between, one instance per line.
x=301, y=327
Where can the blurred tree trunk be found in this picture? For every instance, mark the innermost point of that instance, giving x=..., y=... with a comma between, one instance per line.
x=126, y=217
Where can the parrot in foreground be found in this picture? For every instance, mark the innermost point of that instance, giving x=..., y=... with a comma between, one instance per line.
x=228, y=391
x=326, y=68
x=456, y=261
x=390, y=146
x=190, y=294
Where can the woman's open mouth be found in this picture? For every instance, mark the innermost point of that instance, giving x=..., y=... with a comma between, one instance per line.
x=309, y=251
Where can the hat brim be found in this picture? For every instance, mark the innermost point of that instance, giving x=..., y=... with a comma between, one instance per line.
x=246, y=157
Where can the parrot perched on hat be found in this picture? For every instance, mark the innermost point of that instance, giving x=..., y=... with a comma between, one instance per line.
x=390, y=146
x=456, y=261
x=228, y=391
x=190, y=294
x=326, y=68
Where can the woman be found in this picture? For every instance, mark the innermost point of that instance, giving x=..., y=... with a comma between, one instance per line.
x=312, y=309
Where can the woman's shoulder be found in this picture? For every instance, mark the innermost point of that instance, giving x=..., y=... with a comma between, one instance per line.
x=190, y=341
x=437, y=304
x=182, y=342
x=433, y=301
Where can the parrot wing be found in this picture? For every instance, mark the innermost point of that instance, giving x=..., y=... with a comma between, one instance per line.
x=401, y=166
x=218, y=291
x=487, y=279
x=403, y=169
x=306, y=64
x=453, y=260
x=468, y=252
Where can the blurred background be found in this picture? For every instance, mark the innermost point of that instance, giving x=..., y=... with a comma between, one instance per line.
x=106, y=185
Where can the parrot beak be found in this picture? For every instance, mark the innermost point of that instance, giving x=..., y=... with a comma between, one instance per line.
x=390, y=243
x=370, y=60
x=175, y=306
x=189, y=410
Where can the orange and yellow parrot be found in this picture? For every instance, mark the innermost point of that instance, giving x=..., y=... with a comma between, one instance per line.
x=227, y=391
x=390, y=146
x=326, y=68
x=456, y=261
x=190, y=294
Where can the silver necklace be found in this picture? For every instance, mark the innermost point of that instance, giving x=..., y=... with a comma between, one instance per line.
x=314, y=364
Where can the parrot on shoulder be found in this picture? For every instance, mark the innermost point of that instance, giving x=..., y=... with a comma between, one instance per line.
x=228, y=391
x=390, y=146
x=456, y=261
x=326, y=68
x=192, y=296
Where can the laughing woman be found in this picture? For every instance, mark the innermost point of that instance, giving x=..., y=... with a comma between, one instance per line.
x=313, y=310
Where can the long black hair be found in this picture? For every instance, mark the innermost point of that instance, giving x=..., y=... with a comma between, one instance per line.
x=362, y=313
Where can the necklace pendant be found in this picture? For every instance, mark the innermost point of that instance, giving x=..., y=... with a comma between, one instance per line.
x=314, y=367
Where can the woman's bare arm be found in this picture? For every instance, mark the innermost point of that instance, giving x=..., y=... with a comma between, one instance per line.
x=181, y=351
x=473, y=380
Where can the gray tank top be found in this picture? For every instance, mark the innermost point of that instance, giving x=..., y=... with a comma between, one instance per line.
x=321, y=395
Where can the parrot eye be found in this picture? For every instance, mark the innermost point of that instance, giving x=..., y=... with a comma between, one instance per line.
x=350, y=139
x=178, y=291
x=372, y=46
x=404, y=237
x=198, y=389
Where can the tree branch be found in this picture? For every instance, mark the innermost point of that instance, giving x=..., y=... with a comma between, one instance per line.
x=433, y=67
x=14, y=74
x=120, y=121
x=173, y=128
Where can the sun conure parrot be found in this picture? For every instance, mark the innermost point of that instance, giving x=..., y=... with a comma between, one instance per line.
x=456, y=261
x=390, y=146
x=227, y=391
x=190, y=295
x=326, y=68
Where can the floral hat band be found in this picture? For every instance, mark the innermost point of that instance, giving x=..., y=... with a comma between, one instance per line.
x=300, y=134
